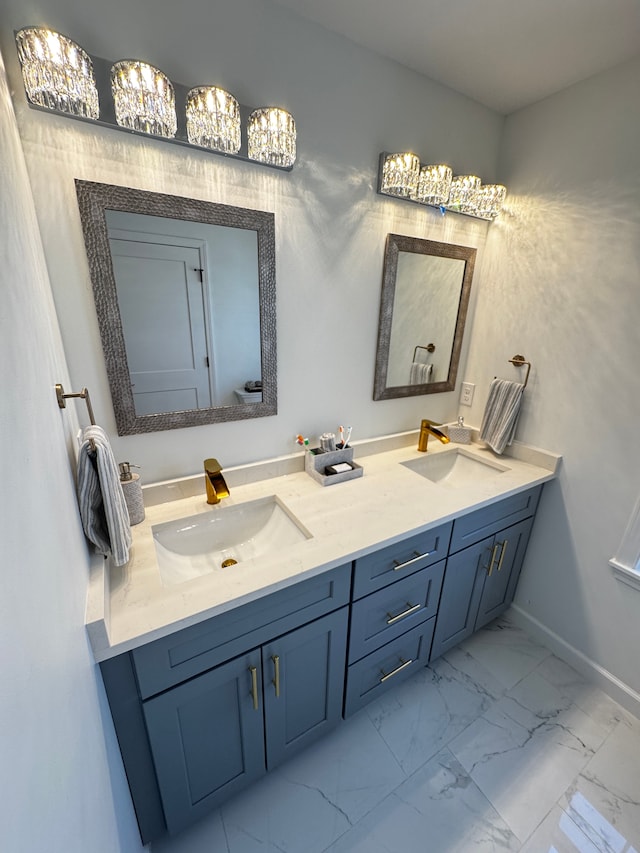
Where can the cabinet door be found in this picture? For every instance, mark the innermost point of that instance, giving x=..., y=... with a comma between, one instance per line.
x=303, y=685
x=461, y=592
x=506, y=561
x=207, y=739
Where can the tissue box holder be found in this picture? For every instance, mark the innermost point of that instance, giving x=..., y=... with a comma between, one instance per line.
x=316, y=463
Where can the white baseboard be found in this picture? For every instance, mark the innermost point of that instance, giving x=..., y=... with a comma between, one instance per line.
x=611, y=684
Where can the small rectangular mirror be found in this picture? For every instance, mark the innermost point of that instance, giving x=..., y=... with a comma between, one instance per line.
x=423, y=308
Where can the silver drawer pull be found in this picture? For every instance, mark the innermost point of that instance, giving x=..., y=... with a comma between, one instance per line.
x=412, y=609
x=418, y=556
x=403, y=665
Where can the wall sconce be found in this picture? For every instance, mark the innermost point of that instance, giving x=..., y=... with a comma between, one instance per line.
x=462, y=195
x=434, y=185
x=143, y=98
x=400, y=173
x=489, y=199
x=57, y=73
x=272, y=137
x=402, y=176
x=213, y=119
x=59, y=76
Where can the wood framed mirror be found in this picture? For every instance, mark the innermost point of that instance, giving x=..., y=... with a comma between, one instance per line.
x=185, y=294
x=423, y=308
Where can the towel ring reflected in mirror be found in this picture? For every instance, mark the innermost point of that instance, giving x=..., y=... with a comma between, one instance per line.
x=425, y=295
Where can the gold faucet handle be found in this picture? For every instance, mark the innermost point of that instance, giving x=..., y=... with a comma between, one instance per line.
x=212, y=466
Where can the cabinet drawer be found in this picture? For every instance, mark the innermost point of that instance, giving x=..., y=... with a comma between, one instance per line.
x=193, y=650
x=394, y=562
x=386, y=614
x=383, y=669
x=484, y=522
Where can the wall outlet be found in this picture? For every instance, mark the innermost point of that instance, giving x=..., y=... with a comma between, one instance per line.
x=466, y=393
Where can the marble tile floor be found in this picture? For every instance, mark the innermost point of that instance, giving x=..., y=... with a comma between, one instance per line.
x=497, y=746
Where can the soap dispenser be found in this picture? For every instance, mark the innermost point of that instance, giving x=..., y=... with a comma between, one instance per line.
x=132, y=488
x=460, y=434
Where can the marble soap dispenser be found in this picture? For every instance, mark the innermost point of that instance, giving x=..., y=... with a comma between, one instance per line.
x=460, y=434
x=132, y=488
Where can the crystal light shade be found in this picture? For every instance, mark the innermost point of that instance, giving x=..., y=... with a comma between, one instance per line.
x=57, y=72
x=462, y=195
x=213, y=119
x=434, y=185
x=143, y=98
x=400, y=174
x=488, y=200
x=271, y=136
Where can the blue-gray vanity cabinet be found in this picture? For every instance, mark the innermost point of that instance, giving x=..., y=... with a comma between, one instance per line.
x=393, y=562
x=207, y=739
x=208, y=736
x=184, y=706
x=392, y=627
x=480, y=579
x=383, y=669
x=379, y=618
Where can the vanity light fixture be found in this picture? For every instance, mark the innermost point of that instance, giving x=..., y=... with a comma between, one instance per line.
x=144, y=98
x=434, y=185
x=400, y=174
x=272, y=136
x=57, y=72
x=213, y=119
x=135, y=97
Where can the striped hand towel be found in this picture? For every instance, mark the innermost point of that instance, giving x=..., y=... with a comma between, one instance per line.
x=103, y=510
x=420, y=373
x=501, y=414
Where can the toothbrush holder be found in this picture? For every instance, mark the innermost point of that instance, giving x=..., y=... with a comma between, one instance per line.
x=316, y=464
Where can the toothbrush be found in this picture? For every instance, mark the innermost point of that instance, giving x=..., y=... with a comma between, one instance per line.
x=341, y=430
x=348, y=438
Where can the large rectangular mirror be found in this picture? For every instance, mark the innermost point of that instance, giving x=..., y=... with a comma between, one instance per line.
x=185, y=299
x=423, y=308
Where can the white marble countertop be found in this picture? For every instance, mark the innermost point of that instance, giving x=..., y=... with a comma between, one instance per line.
x=129, y=606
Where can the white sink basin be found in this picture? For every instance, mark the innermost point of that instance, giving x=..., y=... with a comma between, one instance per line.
x=456, y=468
x=226, y=534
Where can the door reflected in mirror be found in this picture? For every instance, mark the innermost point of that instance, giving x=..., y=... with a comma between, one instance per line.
x=185, y=298
x=425, y=295
x=189, y=303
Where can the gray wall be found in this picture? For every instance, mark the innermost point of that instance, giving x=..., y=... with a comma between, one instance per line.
x=62, y=785
x=330, y=225
x=561, y=284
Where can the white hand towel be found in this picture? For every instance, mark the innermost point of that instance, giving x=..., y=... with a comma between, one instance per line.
x=501, y=414
x=103, y=509
x=420, y=373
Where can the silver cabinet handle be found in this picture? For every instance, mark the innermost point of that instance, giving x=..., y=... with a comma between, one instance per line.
x=254, y=686
x=412, y=609
x=276, y=674
x=403, y=665
x=489, y=568
x=503, y=545
x=418, y=556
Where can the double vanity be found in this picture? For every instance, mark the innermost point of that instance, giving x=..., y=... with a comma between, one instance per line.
x=327, y=598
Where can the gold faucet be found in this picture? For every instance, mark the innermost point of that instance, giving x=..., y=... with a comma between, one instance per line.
x=215, y=482
x=428, y=428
